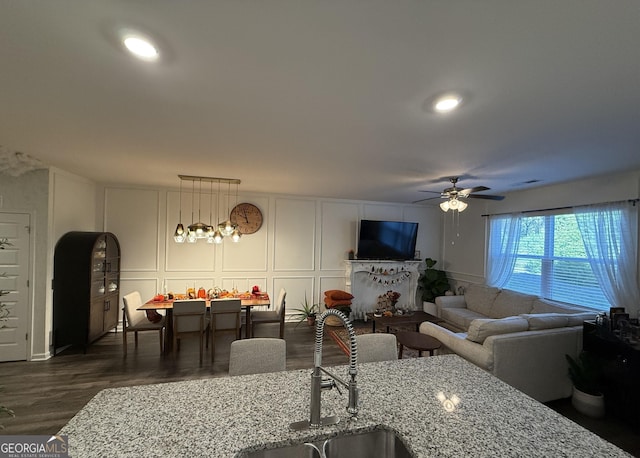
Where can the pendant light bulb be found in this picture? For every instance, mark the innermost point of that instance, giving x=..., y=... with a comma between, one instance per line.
x=179, y=236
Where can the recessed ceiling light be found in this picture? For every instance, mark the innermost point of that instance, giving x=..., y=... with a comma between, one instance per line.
x=141, y=47
x=447, y=103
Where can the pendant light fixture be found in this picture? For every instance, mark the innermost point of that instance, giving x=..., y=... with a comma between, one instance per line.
x=179, y=236
x=227, y=226
x=198, y=230
x=191, y=235
x=236, y=234
x=217, y=235
x=210, y=230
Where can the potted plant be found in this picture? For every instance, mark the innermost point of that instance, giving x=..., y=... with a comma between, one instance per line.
x=432, y=282
x=306, y=312
x=587, y=397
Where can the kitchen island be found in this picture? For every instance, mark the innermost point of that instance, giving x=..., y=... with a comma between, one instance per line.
x=440, y=406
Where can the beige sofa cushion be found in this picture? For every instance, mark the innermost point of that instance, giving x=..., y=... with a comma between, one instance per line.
x=482, y=328
x=546, y=320
x=576, y=319
x=511, y=303
x=460, y=317
x=479, y=298
x=547, y=306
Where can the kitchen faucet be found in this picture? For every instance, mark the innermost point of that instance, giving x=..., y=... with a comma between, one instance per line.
x=318, y=383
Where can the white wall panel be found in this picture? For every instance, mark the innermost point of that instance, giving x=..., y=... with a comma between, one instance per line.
x=296, y=287
x=74, y=203
x=338, y=233
x=294, y=234
x=429, y=221
x=382, y=212
x=132, y=215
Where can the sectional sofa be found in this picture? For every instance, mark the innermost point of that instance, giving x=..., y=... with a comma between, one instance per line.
x=519, y=338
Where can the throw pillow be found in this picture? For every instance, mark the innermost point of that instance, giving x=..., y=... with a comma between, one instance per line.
x=482, y=328
x=511, y=303
x=479, y=298
x=338, y=295
x=331, y=303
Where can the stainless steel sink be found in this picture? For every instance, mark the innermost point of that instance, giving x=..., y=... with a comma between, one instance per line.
x=379, y=443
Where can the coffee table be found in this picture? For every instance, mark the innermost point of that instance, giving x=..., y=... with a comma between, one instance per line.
x=417, y=341
x=414, y=318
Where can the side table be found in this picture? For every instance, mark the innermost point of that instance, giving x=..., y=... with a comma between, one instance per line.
x=417, y=341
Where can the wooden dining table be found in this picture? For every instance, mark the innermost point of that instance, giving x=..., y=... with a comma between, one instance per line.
x=167, y=304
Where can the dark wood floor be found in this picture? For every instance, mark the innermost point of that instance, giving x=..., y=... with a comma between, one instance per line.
x=45, y=395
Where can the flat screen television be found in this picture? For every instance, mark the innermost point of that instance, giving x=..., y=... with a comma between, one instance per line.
x=393, y=240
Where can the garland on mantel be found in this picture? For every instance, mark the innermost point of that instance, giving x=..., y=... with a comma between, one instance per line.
x=398, y=278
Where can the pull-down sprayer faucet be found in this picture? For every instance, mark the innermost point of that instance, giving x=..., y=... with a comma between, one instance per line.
x=318, y=383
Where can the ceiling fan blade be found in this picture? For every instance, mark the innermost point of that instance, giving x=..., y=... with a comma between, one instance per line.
x=476, y=189
x=424, y=200
x=485, y=196
x=433, y=192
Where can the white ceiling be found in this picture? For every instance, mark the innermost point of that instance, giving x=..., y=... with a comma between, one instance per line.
x=325, y=98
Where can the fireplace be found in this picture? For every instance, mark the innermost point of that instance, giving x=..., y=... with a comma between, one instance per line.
x=367, y=279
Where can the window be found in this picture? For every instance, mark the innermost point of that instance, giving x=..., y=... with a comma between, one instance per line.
x=551, y=262
x=586, y=256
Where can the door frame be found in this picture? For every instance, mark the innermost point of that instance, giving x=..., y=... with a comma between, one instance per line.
x=30, y=296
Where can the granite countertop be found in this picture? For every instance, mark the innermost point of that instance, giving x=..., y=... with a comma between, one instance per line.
x=221, y=417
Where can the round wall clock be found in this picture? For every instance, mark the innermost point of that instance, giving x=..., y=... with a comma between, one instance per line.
x=247, y=217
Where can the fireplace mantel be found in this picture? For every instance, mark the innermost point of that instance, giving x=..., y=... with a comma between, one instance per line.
x=367, y=279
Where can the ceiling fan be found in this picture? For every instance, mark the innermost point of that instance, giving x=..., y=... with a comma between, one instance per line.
x=454, y=194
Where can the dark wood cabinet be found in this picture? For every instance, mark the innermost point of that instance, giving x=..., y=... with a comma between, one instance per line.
x=86, y=287
x=620, y=364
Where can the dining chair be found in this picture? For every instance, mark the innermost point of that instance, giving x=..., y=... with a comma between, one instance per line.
x=257, y=356
x=224, y=316
x=134, y=320
x=271, y=316
x=189, y=319
x=377, y=347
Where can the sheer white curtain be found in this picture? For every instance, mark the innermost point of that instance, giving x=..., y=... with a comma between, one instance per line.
x=609, y=232
x=504, y=239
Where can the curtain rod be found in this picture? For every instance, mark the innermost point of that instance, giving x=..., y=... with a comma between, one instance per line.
x=631, y=201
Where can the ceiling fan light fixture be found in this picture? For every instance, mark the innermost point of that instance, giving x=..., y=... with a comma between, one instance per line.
x=453, y=204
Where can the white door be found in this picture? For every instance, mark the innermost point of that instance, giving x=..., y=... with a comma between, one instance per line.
x=14, y=278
